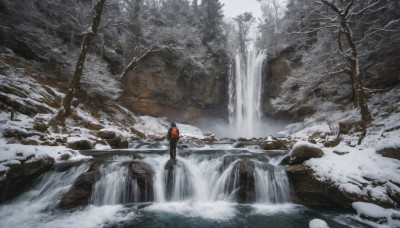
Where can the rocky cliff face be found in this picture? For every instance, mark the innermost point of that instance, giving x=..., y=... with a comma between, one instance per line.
x=277, y=69
x=173, y=85
x=380, y=73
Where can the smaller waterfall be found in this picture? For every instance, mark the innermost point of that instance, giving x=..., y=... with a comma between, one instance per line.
x=115, y=186
x=212, y=180
x=245, y=90
x=272, y=186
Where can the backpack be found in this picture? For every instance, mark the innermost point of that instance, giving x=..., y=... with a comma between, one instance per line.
x=174, y=133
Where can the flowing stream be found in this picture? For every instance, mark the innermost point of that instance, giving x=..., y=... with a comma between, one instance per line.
x=210, y=184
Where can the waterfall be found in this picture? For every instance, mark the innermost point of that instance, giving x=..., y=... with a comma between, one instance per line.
x=245, y=89
x=203, y=179
x=196, y=178
x=115, y=186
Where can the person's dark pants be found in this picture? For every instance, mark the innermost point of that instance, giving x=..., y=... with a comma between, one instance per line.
x=172, y=148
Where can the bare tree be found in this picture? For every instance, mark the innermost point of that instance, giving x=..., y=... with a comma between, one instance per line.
x=270, y=25
x=65, y=109
x=244, y=22
x=349, y=24
x=351, y=56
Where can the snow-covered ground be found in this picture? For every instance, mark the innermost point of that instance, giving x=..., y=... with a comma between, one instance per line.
x=22, y=88
x=354, y=168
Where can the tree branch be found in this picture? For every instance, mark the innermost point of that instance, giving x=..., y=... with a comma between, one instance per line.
x=135, y=60
x=341, y=46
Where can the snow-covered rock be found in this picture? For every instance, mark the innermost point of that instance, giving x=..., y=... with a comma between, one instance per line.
x=374, y=214
x=318, y=223
x=361, y=172
x=389, y=147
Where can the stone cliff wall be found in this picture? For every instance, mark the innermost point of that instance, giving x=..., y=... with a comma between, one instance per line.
x=172, y=85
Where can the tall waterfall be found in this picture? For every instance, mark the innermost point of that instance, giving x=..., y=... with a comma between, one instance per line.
x=245, y=89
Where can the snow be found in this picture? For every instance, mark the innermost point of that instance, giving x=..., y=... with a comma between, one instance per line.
x=375, y=211
x=3, y=168
x=302, y=143
x=392, y=141
x=358, y=171
x=370, y=209
x=318, y=223
x=9, y=151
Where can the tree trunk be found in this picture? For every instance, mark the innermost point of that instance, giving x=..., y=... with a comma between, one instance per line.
x=352, y=58
x=358, y=90
x=65, y=110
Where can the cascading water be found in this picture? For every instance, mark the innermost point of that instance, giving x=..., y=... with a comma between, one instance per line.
x=245, y=89
x=143, y=188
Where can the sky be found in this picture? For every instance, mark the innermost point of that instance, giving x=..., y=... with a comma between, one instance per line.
x=233, y=8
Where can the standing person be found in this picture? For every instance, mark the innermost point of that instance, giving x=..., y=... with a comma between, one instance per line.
x=173, y=138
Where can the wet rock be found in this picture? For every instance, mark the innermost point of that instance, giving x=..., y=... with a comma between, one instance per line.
x=301, y=154
x=80, y=193
x=390, y=152
x=307, y=190
x=117, y=143
x=106, y=134
x=140, y=134
x=240, y=145
x=243, y=140
x=182, y=147
x=19, y=177
x=267, y=146
x=65, y=156
x=80, y=145
x=274, y=145
x=143, y=173
x=229, y=159
x=123, y=144
x=246, y=181
x=170, y=167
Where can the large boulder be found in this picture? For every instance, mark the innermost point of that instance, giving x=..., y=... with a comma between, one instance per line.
x=310, y=191
x=80, y=193
x=243, y=172
x=143, y=174
x=302, y=153
x=20, y=176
